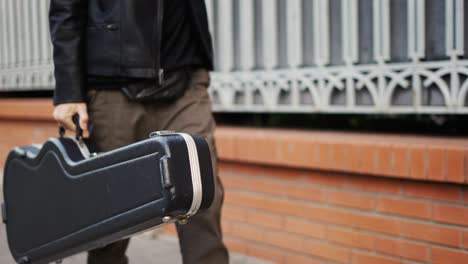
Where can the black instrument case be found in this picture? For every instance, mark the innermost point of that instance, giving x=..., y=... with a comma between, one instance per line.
x=61, y=200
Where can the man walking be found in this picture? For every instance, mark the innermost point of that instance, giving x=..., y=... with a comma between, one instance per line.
x=106, y=51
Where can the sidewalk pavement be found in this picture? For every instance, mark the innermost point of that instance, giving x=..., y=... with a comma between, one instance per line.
x=144, y=249
x=148, y=248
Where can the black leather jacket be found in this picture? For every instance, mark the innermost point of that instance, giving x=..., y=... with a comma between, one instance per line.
x=109, y=38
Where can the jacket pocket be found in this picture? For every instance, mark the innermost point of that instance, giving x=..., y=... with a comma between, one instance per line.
x=103, y=48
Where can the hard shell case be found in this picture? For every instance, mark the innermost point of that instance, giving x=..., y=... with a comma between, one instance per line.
x=59, y=201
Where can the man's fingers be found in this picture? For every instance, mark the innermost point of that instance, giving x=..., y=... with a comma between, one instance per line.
x=83, y=113
x=83, y=119
x=67, y=123
x=64, y=115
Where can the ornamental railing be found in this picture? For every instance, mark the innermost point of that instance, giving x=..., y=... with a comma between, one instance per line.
x=305, y=56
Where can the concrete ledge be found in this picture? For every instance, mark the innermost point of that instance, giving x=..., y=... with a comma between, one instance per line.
x=426, y=158
x=26, y=109
x=439, y=159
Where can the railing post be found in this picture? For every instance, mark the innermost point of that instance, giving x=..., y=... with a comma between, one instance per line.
x=270, y=34
x=294, y=33
x=247, y=44
x=225, y=35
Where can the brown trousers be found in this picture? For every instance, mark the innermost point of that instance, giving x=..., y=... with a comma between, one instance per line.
x=117, y=122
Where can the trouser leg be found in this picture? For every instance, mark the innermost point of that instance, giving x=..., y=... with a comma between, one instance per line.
x=201, y=238
x=114, y=122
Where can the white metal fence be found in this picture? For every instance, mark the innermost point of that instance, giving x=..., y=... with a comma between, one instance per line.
x=346, y=56
x=25, y=49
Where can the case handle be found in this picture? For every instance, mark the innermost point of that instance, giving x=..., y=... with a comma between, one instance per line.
x=78, y=130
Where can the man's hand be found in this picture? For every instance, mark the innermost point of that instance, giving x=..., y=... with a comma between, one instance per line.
x=63, y=114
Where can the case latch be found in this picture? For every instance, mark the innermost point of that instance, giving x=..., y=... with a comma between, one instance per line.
x=4, y=216
x=164, y=166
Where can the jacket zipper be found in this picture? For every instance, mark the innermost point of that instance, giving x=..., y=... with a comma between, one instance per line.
x=108, y=27
x=157, y=56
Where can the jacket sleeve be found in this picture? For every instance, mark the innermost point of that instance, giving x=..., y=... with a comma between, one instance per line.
x=67, y=20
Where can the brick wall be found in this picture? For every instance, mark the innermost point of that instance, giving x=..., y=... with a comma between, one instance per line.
x=303, y=216
x=322, y=197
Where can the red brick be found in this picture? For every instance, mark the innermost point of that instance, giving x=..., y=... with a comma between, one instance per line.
x=301, y=259
x=267, y=186
x=226, y=225
x=444, y=256
x=368, y=161
x=236, y=245
x=293, y=151
x=252, y=170
x=374, y=223
x=243, y=199
x=368, y=258
x=400, y=160
x=289, y=174
x=374, y=184
x=340, y=156
x=354, y=200
x=437, y=161
x=465, y=239
x=306, y=228
x=285, y=241
x=327, y=251
x=432, y=191
x=234, y=182
x=311, y=153
x=384, y=160
x=404, y=207
x=266, y=150
x=303, y=150
x=245, y=149
x=451, y=214
x=266, y=252
x=323, y=214
x=326, y=179
x=350, y=238
x=264, y=219
x=234, y=213
x=306, y=192
x=456, y=165
x=226, y=146
x=324, y=156
x=354, y=157
x=262, y=149
x=238, y=169
x=466, y=166
x=418, y=162
x=465, y=195
x=402, y=248
x=286, y=207
x=431, y=233
x=248, y=232
x=348, y=162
